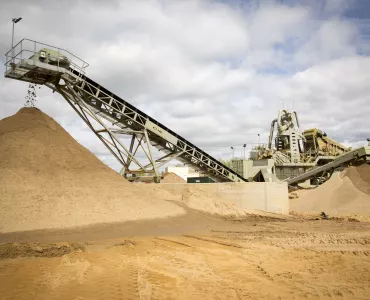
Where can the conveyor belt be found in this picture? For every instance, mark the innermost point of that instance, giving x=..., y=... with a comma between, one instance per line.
x=92, y=102
x=192, y=156
x=362, y=153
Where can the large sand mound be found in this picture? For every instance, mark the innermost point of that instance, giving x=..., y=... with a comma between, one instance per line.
x=48, y=180
x=344, y=194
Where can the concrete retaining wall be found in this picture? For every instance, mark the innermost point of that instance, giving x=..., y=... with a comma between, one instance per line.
x=266, y=196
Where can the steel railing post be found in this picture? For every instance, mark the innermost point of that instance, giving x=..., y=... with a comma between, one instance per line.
x=13, y=44
x=34, y=53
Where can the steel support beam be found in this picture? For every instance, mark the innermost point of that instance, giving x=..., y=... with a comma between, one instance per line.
x=126, y=156
x=97, y=106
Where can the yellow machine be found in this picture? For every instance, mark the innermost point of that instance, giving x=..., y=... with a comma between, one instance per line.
x=296, y=152
x=318, y=142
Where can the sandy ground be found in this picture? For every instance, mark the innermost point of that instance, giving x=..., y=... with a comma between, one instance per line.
x=196, y=256
x=90, y=235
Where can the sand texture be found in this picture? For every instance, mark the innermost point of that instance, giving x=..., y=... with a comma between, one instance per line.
x=347, y=193
x=250, y=259
x=48, y=180
x=172, y=178
x=200, y=198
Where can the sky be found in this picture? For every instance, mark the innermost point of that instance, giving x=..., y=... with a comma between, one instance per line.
x=215, y=72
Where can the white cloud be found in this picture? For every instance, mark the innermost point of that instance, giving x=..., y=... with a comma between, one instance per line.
x=276, y=24
x=333, y=39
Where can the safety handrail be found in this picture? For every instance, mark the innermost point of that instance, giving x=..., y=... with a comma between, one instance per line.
x=33, y=47
x=25, y=39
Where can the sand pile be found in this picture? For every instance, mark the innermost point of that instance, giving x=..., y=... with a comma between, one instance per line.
x=48, y=180
x=172, y=178
x=345, y=194
x=201, y=198
x=198, y=197
x=360, y=177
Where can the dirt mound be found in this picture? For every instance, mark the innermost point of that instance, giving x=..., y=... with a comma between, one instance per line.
x=14, y=250
x=345, y=194
x=364, y=172
x=360, y=177
x=172, y=178
x=201, y=198
x=204, y=198
x=34, y=142
x=48, y=180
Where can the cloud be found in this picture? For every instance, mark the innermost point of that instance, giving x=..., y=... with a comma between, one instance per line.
x=215, y=72
x=333, y=39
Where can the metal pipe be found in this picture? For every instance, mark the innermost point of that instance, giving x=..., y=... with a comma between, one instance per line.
x=150, y=153
x=34, y=54
x=13, y=43
x=271, y=133
x=14, y=20
x=296, y=118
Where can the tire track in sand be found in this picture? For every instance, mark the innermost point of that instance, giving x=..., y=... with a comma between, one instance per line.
x=206, y=239
x=174, y=241
x=110, y=278
x=23, y=282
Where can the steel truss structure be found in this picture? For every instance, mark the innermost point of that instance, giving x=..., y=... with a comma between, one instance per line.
x=358, y=155
x=112, y=118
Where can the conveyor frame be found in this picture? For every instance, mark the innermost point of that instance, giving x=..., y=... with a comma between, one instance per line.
x=96, y=105
x=360, y=154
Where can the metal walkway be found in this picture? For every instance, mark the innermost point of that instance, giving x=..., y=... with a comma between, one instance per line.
x=96, y=105
x=360, y=154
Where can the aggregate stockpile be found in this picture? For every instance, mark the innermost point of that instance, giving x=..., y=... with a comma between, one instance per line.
x=345, y=194
x=48, y=180
x=172, y=178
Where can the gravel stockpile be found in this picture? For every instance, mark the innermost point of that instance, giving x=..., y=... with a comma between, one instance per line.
x=346, y=193
x=172, y=178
